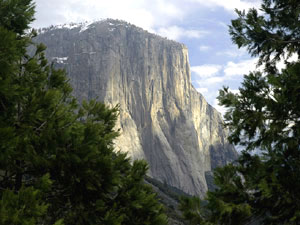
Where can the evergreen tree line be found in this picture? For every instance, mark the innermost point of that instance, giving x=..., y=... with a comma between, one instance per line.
x=263, y=117
x=57, y=160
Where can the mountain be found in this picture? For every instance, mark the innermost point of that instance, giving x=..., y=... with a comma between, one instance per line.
x=163, y=119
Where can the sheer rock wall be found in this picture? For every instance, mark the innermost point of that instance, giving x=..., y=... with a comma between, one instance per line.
x=163, y=119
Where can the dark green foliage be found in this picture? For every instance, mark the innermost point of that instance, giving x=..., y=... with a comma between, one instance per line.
x=170, y=197
x=16, y=15
x=225, y=205
x=271, y=35
x=25, y=207
x=171, y=191
x=263, y=118
x=57, y=160
x=194, y=211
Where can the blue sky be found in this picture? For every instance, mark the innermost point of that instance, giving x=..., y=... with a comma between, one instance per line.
x=202, y=25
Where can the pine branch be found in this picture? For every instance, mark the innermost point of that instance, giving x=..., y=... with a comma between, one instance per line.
x=3, y=105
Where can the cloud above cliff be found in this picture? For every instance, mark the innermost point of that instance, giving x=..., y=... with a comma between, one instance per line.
x=240, y=68
x=213, y=73
x=145, y=13
x=211, y=78
x=229, y=5
x=178, y=33
x=205, y=71
x=204, y=48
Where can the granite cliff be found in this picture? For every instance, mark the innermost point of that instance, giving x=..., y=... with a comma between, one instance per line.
x=163, y=119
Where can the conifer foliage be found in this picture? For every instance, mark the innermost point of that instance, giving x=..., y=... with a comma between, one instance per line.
x=57, y=161
x=264, y=117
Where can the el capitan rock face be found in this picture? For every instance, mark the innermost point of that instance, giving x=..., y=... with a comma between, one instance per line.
x=163, y=119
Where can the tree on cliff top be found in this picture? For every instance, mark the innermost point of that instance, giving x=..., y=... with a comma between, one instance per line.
x=57, y=161
x=264, y=116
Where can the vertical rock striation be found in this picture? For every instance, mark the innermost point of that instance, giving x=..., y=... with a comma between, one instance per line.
x=163, y=119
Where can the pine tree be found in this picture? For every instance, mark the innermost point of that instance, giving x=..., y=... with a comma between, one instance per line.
x=271, y=35
x=57, y=159
x=265, y=118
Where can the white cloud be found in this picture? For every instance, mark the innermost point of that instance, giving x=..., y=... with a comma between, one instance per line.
x=213, y=80
x=202, y=90
x=208, y=80
x=147, y=14
x=204, y=48
x=176, y=33
x=230, y=5
x=281, y=64
x=234, y=52
x=218, y=107
x=206, y=70
x=58, y=12
x=240, y=68
x=168, y=8
x=234, y=91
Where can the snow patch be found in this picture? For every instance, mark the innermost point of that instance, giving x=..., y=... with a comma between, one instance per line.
x=85, y=26
x=82, y=26
x=60, y=60
x=67, y=26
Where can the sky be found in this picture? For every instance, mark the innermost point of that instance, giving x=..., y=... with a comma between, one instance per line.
x=202, y=25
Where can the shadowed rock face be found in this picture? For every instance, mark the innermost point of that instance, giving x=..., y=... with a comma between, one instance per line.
x=163, y=119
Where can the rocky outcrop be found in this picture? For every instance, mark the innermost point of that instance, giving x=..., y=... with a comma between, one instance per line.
x=163, y=119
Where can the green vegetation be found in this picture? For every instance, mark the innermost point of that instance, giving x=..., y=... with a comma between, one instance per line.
x=57, y=161
x=265, y=118
x=170, y=197
x=169, y=190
